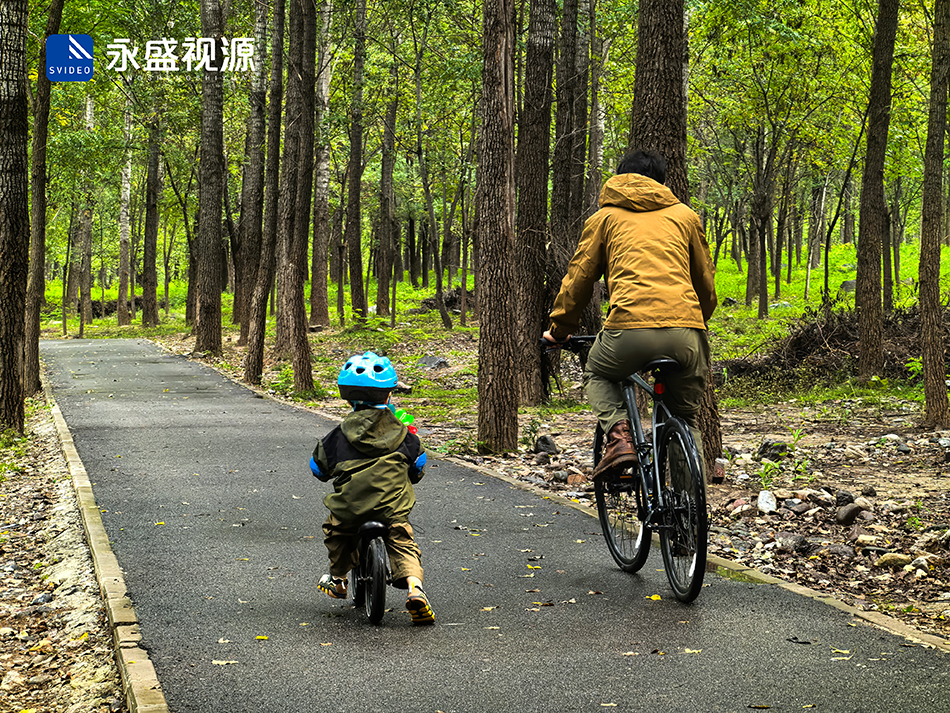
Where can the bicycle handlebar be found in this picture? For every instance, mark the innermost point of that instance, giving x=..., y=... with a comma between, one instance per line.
x=575, y=344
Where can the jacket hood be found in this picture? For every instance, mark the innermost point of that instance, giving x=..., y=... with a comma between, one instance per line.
x=635, y=192
x=374, y=432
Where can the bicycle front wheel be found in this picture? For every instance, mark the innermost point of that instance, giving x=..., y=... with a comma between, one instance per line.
x=683, y=536
x=621, y=507
x=377, y=572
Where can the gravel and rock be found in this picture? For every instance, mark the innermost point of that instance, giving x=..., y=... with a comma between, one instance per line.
x=56, y=653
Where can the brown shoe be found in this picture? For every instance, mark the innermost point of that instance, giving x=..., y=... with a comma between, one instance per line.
x=619, y=452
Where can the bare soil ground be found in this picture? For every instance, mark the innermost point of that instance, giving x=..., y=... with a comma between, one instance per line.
x=56, y=649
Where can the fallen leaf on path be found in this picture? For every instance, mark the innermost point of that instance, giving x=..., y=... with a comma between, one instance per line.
x=215, y=662
x=261, y=638
x=692, y=651
x=327, y=643
x=655, y=597
x=224, y=641
x=630, y=653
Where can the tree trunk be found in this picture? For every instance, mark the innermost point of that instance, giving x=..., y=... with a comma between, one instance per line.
x=388, y=237
x=936, y=409
x=319, y=300
x=531, y=176
x=354, y=218
x=564, y=226
x=36, y=282
x=498, y=393
x=299, y=226
x=873, y=212
x=153, y=189
x=286, y=202
x=659, y=123
x=122, y=313
x=14, y=210
x=254, y=359
x=252, y=184
x=211, y=195
x=85, y=235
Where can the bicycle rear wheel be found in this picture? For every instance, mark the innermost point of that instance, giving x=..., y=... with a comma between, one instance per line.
x=621, y=507
x=376, y=571
x=683, y=537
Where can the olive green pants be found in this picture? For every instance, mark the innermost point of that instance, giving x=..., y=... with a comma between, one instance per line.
x=342, y=543
x=618, y=353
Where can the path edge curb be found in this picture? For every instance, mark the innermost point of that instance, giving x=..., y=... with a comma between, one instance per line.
x=741, y=571
x=140, y=683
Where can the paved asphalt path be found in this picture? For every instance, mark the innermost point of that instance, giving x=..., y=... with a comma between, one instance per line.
x=212, y=512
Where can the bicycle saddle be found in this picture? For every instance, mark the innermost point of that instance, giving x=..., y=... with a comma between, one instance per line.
x=662, y=365
x=373, y=528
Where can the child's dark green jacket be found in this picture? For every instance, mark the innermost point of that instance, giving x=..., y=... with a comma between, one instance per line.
x=373, y=461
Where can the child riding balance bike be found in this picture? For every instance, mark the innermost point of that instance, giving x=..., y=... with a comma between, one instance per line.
x=373, y=460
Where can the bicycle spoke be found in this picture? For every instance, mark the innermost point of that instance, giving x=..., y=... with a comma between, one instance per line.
x=683, y=537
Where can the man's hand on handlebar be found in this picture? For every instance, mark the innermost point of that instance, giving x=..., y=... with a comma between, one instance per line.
x=554, y=342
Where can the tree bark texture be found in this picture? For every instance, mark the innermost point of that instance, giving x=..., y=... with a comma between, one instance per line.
x=254, y=358
x=211, y=196
x=319, y=299
x=14, y=210
x=497, y=391
x=534, y=152
x=873, y=211
x=659, y=124
x=85, y=235
x=659, y=90
x=122, y=310
x=248, y=259
x=388, y=235
x=302, y=364
x=153, y=189
x=564, y=225
x=36, y=282
x=286, y=201
x=936, y=409
x=354, y=217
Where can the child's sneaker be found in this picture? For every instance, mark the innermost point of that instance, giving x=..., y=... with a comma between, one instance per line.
x=333, y=586
x=418, y=606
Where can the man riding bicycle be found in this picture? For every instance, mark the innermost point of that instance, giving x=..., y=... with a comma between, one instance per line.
x=652, y=251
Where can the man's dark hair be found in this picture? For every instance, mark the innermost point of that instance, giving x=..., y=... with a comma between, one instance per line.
x=646, y=163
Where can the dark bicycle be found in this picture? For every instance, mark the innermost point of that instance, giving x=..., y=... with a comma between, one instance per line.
x=369, y=578
x=663, y=493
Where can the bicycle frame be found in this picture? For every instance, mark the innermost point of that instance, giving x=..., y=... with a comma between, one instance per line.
x=652, y=487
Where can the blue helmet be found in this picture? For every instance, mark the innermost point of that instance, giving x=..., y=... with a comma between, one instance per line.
x=367, y=377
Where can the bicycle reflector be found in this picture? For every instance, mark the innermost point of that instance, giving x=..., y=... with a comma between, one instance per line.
x=659, y=387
